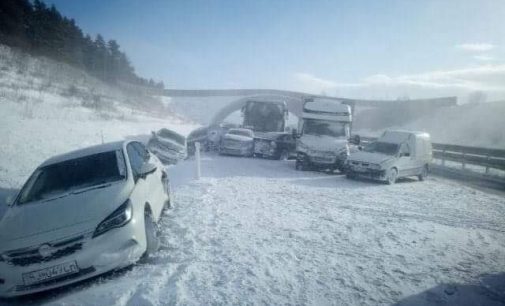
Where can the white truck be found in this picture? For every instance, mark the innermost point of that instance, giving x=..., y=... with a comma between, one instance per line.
x=323, y=135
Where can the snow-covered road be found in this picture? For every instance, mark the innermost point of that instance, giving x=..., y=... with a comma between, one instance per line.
x=258, y=232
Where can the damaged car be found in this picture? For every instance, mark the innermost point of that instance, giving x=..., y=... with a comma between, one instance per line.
x=170, y=147
x=238, y=142
x=280, y=146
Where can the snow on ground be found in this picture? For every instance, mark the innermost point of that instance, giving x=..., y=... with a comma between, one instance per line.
x=257, y=232
x=59, y=125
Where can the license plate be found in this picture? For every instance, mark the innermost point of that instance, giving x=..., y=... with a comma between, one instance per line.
x=327, y=160
x=53, y=272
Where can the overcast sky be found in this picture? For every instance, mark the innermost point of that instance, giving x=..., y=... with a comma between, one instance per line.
x=379, y=49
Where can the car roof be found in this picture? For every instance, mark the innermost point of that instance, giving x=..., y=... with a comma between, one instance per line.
x=240, y=129
x=106, y=147
x=397, y=136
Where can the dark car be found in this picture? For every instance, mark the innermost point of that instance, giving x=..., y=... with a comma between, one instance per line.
x=200, y=135
x=275, y=145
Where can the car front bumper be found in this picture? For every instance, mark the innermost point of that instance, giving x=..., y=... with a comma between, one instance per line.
x=368, y=173
x=237, y=151
x=322, y=161
x=117, y=248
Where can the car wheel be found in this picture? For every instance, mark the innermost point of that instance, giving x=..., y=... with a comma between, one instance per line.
x=350, y=175
x=300, y=165
x=152, y=239
x=392, y=175
x=424, y=173
x=169, y=202
x=284, y=155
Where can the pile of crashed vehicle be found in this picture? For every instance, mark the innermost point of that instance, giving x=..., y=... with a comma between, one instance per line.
x=322, y=141
x=55, y=244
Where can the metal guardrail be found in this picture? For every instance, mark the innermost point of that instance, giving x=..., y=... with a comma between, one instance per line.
x=465, y=155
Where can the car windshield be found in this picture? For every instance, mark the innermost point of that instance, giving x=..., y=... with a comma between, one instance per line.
x=240, y=133
x=70, y=175
x=382, y=147
x=168, y=134
x=324, y=128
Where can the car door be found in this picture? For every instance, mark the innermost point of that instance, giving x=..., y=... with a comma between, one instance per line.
x=139, y=195
x=405, y=161
x=155, y=188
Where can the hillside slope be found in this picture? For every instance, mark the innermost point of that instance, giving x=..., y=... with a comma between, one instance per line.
x=49, y=108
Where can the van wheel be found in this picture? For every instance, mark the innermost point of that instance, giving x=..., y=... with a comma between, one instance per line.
x=350, y=175
x=284, y=155
x=424, y=173
x=152, y=239
x=392, y=175
x=300, y=166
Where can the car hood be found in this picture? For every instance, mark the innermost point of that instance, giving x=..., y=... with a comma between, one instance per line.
x=323, y=143
x=370, y=157
x=238, y=138
x=38, y=222
x=163, y=143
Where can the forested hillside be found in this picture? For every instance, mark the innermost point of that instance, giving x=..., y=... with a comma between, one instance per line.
x=40, y=30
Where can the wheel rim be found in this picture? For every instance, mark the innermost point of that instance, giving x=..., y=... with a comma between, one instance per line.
x=392, y=176
x=284, y=155
x=151, y=236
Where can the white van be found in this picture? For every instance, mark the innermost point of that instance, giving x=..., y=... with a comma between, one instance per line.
x=394, y=155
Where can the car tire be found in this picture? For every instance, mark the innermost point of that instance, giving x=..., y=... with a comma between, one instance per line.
x=168, y=192
x=284, y=155
x=151, y=232
x=300, y=166
x=350, y=176
x=424, y=173
x=392, y=176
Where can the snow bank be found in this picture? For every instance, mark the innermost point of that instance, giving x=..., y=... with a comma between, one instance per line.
x=257, y=232
x=57, y=126
x=49, y=108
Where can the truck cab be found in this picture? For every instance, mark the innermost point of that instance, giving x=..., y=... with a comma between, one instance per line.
x=394, y=155
x=324, y=132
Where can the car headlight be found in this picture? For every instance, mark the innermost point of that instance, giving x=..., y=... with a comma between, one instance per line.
x=273, y=144
x=302, y=147
x=118, y=218
x=374, y=166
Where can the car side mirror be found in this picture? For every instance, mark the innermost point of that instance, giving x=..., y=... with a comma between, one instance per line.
x=9, y=200
x=146, y=169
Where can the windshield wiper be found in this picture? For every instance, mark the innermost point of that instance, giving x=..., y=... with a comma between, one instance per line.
x=54, y=198
x=99, y=186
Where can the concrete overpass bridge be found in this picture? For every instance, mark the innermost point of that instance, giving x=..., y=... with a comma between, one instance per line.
x=294, y=100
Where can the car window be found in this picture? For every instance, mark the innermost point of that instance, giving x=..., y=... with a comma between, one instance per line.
x=136, y=157
x=404, y=148
x=142, y=151
x=74, y=174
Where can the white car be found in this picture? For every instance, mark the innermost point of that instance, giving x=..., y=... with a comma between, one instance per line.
x=394, y=155
x=168, y=146
x=81, y=214
x=238, y=142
